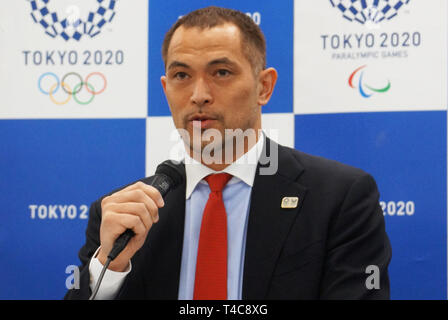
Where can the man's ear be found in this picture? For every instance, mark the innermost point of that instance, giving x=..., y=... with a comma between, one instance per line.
x=267, y=79
x=163, y=81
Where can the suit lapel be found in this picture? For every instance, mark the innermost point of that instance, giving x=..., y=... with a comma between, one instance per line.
x=269, y=224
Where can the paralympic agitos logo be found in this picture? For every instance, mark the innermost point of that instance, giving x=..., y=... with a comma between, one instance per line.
x=365, y=90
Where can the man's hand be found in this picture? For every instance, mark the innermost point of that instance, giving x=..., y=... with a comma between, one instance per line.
x=135, y=207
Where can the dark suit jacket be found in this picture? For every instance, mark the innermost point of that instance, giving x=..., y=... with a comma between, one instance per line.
x=319, y=250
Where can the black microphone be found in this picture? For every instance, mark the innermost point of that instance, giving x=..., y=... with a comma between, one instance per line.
x=167, y=177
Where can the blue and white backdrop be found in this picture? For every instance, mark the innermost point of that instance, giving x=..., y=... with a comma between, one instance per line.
x=363, y=82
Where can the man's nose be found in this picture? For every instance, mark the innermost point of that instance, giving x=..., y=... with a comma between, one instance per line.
x=201, y=93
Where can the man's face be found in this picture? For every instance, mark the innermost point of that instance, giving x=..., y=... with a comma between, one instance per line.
x=210, y=84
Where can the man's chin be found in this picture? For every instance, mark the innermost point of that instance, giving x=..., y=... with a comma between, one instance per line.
x=203, y=146
x=206, y=152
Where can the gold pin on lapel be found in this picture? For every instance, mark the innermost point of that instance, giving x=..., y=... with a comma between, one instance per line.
x=290, y=202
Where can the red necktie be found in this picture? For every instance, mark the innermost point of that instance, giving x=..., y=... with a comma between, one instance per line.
x=211, y=265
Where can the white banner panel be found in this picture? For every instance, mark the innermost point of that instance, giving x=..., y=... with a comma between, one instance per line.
x=82, y=60
x=369, y=55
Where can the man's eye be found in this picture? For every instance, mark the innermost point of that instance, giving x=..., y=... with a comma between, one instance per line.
x=180, y=75
x=223, y=73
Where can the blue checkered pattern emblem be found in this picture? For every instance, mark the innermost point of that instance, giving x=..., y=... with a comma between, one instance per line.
x=73, y=26
x=364, y=11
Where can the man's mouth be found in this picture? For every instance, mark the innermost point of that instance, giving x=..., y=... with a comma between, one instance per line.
x=202, y=121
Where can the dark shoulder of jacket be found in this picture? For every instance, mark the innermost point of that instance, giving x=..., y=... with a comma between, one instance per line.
x=316, y=167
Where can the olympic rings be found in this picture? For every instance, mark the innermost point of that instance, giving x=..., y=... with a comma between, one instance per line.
x=104, y=79
x=43, y=76
x=52, y=90
x=80, y=80
x=81, y=102
x=76, y=89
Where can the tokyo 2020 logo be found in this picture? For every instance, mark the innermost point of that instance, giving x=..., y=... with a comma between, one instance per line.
x=68, y=23
x=369, y=11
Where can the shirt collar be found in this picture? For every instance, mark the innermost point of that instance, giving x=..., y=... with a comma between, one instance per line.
x=243, y=168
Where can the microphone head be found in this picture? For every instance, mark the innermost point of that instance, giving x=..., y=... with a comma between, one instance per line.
x=172, y=171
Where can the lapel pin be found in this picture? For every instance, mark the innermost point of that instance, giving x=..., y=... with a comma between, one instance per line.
x=290, y=202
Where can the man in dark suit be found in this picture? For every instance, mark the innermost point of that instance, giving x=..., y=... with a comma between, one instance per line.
x=309, y=229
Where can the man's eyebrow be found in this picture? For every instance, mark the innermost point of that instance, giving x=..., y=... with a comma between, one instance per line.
x=175, y=64
x=221, y=61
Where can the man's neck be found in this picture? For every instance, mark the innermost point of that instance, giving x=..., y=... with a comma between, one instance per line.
x=224, y=161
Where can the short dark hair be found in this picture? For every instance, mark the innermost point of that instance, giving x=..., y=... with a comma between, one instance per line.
x=253, y=42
